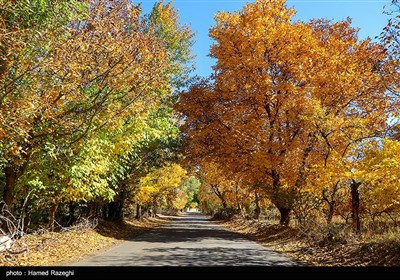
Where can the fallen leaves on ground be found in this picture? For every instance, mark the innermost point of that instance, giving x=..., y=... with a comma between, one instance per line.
x=290, y=241
x=58, y=248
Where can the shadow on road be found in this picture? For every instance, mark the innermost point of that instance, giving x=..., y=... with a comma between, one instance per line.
x=190, y=227
x=177, y=256
x=189, y=240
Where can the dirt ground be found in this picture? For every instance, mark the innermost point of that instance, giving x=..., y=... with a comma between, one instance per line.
x=314, y=252
x=58, y=248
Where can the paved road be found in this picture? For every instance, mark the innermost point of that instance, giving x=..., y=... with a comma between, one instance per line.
x=191, y=240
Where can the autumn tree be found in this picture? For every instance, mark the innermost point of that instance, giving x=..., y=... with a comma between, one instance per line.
x=285, y=95
x=84, y=87
x=191, y=187
x=160, y=188
x=379, y=173
x=88, y=93
x=150, y=143
x=25, y=27
x=250, y=116
x=154, y=140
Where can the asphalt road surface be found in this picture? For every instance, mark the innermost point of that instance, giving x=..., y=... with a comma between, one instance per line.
x=190, y=240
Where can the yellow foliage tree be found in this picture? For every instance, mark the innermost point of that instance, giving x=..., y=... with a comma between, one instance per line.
x=380, y=172
x=160, y=184
x=285, y=96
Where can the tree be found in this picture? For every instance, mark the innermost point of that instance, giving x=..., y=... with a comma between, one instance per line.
x=356, y=115
x=156, y=186
x=87, y=104
x=191, y=188
x=284, y=95
x=27, y=27
x=379, y=172
x=155, y=140
x=82, y=87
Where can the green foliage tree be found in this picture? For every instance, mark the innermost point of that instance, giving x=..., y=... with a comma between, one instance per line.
x=86, y=99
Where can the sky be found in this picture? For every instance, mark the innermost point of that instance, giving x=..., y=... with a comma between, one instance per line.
x=367, y=15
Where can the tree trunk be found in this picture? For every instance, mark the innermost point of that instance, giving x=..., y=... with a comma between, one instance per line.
x=238, y=205
x=138, y=211
x=219, y=195
x=52, y=216
x=285, y=216
x=257, y=211
x=11, y=179
x=114, y=211
x=283, y=207
x=330, y=201
x=155, y=210
x=12, y=173
x=331, y=211
x=355, y=207
x=116, y=207
x=224, y=204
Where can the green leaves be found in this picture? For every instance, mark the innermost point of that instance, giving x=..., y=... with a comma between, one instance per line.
x=86, y=107
x=163, y=21
x=36, y=14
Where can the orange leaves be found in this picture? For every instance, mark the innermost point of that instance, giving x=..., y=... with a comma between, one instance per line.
x=285, y=97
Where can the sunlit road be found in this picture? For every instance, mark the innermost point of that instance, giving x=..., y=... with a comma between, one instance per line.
x=190, y=240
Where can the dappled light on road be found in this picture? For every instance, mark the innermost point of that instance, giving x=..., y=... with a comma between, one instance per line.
x=189, y=240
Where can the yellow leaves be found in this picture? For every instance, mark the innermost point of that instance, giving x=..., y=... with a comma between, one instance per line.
x=378, y=171
x=54, y=248
x=290, y=104
x=159, y=183
x=79, y=81
x=180, y=200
